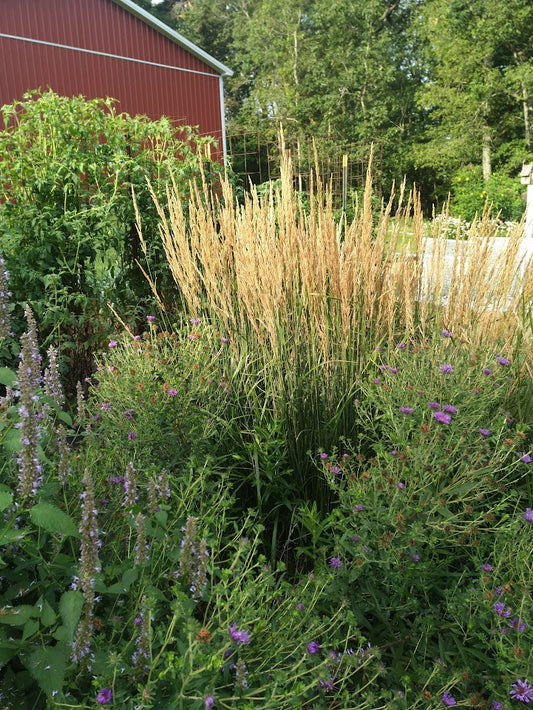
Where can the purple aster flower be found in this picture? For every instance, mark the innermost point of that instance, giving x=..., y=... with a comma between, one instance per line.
x=442, y=418
x=447, y=333
x=503, y=361
x=434, y=405
x=486, y=567
x=500, y=609
x=522, y=691
x=446, y=369
x=335, y=562
x=401, y=485
x=150, y=319
x=313, y=647
x=406, y=410
x=401, y=346
x=525, y=458
x=359, y=507
x=484, y=432
x=486, y=371
x=393, y=370
x=224, y=340
x=172, y=392
x=323, y=456
x=448, y=699
x=113, y=343
x=528, y=515
x=132, y=435
x=241, y=638
x=105, y=696
x=209, y=701
x=496, y=705
x=449, y=408
x=518, y=624
x=195, y=321
x=376, y=381
x=300, y=606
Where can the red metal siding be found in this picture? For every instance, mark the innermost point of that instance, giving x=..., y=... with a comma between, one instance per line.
x=102, y=26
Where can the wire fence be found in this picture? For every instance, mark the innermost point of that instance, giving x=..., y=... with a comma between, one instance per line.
x=343, y=166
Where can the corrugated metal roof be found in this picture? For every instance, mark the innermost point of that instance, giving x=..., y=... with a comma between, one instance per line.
x=174, y=36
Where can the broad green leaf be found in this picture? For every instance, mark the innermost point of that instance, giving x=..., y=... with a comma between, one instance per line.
x=16, y=615
x=47, y=666
x=128, y=578
x=5, y=500
x=11, y=440
x=53, y=520
x=70, y=608
x=9, y=536
x=7, y=377
x=30, y=627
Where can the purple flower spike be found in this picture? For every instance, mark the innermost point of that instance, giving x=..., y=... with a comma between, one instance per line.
x=105, y=696
x=522, y=691
x=241, y=638
x=448, y=700
x=313, y=647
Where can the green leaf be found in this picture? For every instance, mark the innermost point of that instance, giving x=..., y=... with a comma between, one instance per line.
x=30, y=627
x=53, y=520
x=70, y=608
x=7, y=377
x=5, y=500
x=11, y=441
x=16, y=615
x=128, y=578
x=47, y=666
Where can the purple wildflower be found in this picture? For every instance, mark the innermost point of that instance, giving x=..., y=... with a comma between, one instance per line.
x=447, y=333
x=224, y=340
x=522, y=691
x=323, y=456
x=209, y=701
x=503, y=361
x=241, y=638
x=401, y=346
x=525, y=458
x=499, y=608
x=446, y=369
x=442, y=418
x=434, y=405
x=449, y=408
x=172, y=392
x=113, y=343
x=335, y=562
x=105, y=696
x=150, y=319
x=401, y=485
x=486, y=567
x=393, y=370
x=132, y=435
x=313, y=648
x=496, y=705
x=484, y=432
x=518, y=624
x=448, y=699
x=528, y=515
x=359, y=507
x=486, y=371
x=335, y=469
x=406, y=410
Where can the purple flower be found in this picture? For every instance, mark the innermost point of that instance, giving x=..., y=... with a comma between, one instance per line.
x=528, y=515
x=359, y=507
x=393, y=370
x=401, y=485
x=241, y=638
x=105, y=696
x=172, y=392
x=518, y=624
x=449, y=408
x=500, y=609
x=150, y=319
x=447, y=333
x=132, y=435
x=209, y=701
x=300, y=606
x=406, y=410
x=448, y=699
x=446, y=369
x=522, y=691
x=496, y=705
x=503, y=361
x=401, y=346
x=525, y=458
x=484, y=432
x=313, y=647
x=224, y=340
x=335, y=469
x=486, y=567
x=323, y=456
x=335, y=562
x=113, y=343
x=434, y=405
x=486, y=371
x=442, y=418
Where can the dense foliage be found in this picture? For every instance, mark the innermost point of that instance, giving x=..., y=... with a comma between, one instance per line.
x=438, y=85
x=68, y=224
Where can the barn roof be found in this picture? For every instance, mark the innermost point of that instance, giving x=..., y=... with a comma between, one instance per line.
x=174, y=36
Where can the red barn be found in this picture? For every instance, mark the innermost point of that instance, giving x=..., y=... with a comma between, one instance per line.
x=101, y=48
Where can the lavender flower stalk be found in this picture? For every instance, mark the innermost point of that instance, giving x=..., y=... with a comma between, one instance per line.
x=63, y=449
x=141, y=547
x=5, y=324
x=193, y=560
x=52, y=380
x=141, y=655
x=89, y=566
x=130, y=487
x=29, y=380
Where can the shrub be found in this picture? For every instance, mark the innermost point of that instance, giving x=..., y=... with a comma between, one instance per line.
x=68, y=230
x=472, y=195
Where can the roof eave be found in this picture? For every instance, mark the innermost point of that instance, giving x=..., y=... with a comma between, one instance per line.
x=174, y=36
